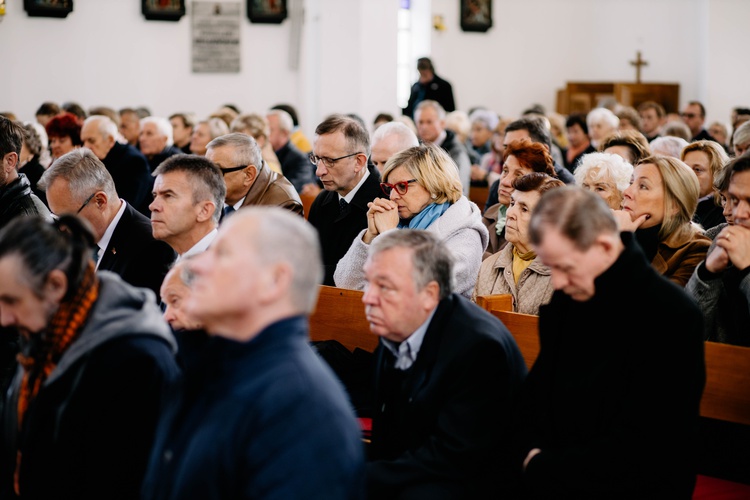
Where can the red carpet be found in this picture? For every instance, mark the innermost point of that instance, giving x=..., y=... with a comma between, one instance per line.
x=711, y=488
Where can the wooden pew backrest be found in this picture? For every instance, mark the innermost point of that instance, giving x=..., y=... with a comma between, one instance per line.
x=727, y=392
x=525, y=329
x=307, y=201
x=340, y=315
x=499, y=302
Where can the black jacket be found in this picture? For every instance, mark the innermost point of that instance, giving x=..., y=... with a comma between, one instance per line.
x=131, y=173
x=295, y=166
x=604, y=390
x=441, y=431
x=337, y=230
x=135, y=255
x=437, y=90
x=16, y=199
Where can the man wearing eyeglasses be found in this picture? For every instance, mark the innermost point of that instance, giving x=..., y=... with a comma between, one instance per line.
x=694, y=116
x=248, y=179
x=340, y=150
x=79, y=183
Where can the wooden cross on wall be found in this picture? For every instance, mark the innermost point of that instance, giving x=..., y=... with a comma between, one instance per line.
x=638, y=63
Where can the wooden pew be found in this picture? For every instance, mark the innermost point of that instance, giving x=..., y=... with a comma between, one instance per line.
x=307, y=201
x=340, y=315
x=727, y=392
x=479, y=196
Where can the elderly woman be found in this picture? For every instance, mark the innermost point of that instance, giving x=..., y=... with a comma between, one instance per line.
x=601, y=122
x=608, y=175
x=516, y=269
x=64, y=133
x=204, y=132
x=95, y=361
x=706, y=158
x=423, y=192
x=521, y=157
x=630, y=144
x=659, y=205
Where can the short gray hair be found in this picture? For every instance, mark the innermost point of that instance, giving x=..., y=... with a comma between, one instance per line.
x=162, y=125
x=406, y=136
x=286, y=123
x=742, y=134
x=105, y=125
x=597, y=115
x=431, y=259
x=579, y=215
x=429, y=103
x=245, y=150
x=668, y=145
x=278, y=227
x=84, y=172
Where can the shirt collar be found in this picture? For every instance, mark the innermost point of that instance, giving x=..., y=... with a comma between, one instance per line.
x=406, y=352
x=103, y=243
x=350, y=195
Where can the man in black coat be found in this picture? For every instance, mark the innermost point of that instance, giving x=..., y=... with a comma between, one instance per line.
x=79, y=183
x=610, y=408
x=429, y=86
x=128, y=166
x=446, y=373
x=340, y=150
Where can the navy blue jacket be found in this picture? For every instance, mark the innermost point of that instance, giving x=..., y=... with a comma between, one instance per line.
x=263, y=419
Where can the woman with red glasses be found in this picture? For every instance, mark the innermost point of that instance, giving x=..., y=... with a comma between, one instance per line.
x=422, y=190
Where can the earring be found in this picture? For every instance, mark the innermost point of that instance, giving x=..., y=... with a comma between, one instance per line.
x=434, y=196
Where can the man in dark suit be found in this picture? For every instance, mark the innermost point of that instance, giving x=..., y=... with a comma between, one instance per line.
x=127, y=166
x=340, y=151
x=79, y=183
x=294, y=163
x=446, y=374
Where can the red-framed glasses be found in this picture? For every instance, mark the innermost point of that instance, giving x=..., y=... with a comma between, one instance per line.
x=401, y=187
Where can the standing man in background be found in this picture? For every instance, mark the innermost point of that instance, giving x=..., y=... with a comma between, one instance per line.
x=429, y=86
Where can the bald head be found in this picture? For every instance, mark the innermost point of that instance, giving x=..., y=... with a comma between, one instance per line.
x=389, y=139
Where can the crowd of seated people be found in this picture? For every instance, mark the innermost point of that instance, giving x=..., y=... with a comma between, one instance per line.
x=683, y=201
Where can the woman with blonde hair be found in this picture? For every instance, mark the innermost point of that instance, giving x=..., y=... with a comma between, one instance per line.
x=423, y=191
x=706, y=158
x=658, y=206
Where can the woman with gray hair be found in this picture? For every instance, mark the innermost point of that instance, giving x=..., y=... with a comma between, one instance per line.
x=606, y=174
x=204, y=132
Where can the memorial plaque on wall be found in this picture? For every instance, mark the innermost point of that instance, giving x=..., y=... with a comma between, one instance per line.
x=216, y=37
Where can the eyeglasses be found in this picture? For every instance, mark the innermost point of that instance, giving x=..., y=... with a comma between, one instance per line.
x=401, y=187
x=688, y=115
x=85, y=203
x=225, y=171
x=328, y=162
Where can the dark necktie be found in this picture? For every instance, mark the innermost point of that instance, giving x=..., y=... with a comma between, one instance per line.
x=342, y=205
x=228, y=210
x=96, y=254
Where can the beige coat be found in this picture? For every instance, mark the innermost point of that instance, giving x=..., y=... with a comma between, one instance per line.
x=496, y=277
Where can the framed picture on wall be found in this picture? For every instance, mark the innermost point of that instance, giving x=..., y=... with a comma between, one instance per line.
x=266, y=11
x=476, y=15
x=48, y=8
x=163, y=10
